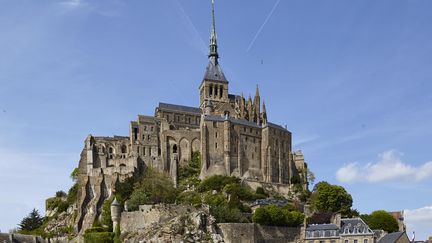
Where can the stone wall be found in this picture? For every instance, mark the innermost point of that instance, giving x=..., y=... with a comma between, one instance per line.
x=253, y=233
x=19, y=238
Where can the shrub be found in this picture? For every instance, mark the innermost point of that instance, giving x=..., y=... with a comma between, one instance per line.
x=61, y=194
x=243, y=193
x=260, y=192
x=190, y=197
x=214, y=200
x=192, y=169
x=225, y=214
x=217, y=183
x=153, y=188
x=95, y=229
x=73, y=194
x=106, y=214
x=273, y=215
x=57, y=202
x=139, y=197
x=102, y=237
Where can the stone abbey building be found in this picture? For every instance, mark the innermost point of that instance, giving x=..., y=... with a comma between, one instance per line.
x=233, y=135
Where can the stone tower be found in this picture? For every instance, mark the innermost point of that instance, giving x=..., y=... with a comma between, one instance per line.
x=115, y=213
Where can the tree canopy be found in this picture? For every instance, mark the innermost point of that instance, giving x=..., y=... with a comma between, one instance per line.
x=331, y=198
x=31, y=222
x=381, y=220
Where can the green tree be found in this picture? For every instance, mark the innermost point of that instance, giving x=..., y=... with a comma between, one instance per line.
x=381, y=220
x=31, y=222
x=154, y=188
x=331, y=198
x=273, y=215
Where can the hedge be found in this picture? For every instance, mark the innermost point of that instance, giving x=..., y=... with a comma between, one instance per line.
x=102, y=237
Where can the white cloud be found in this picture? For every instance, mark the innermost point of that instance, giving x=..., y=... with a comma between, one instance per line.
x=420, y=221
x=390, y=167
x=73, y=3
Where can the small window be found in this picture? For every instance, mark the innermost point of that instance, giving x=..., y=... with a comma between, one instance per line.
x=145, y=128
x=216, y=135
x=135, y=133
x=216, y=146
x=250, y=130
x=346, y=241
x=365, y=241
x=144, y=151
x=151, y=129
x=355, y=241
x=215, y=124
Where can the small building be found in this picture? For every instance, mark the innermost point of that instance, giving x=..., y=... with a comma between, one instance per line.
x=397, y=237
x=340, y=231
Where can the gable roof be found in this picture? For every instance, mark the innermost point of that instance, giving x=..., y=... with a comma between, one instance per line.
x=392, y=237
x=179, y=108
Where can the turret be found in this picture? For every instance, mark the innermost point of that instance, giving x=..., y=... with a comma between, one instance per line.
x=115, y=213
x=264, y=114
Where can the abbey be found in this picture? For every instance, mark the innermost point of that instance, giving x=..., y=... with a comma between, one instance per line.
x=232, y=134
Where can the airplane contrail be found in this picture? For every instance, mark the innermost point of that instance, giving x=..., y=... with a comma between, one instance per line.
x=263, y=25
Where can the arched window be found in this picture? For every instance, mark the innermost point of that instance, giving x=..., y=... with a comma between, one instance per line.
x=211, y=90
x=123, y=149
x=175, y=148
x=111, y=150
x=221, y=92
x=215, y=90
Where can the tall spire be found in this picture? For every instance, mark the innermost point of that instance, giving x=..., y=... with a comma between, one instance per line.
x=213, y=54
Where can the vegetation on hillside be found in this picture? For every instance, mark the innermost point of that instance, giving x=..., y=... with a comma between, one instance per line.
x=273, y=215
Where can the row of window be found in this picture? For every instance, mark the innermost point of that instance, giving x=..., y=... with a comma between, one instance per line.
x=216, y=91
x=334, y=241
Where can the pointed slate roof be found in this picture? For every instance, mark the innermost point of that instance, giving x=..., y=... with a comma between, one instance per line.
x=214, y=71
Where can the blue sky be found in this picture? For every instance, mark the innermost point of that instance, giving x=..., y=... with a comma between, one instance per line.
x=352, y=80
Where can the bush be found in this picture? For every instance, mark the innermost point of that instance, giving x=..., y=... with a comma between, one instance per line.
x=102, y=237
x=57, y=202
x=225, y=214
x=260, y=192
x=106, y=220
x=96, y=229
x=139, y=197
x=192, y=169
x=73, y=194
x=154, y=188
x=190, y=197
x=273, y=215
x=214, y=200
x=243, y=193
x=61, y=194
x=217, y=183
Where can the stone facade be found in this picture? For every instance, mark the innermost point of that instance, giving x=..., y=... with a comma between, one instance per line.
x=340, y=231
x=233, y=135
